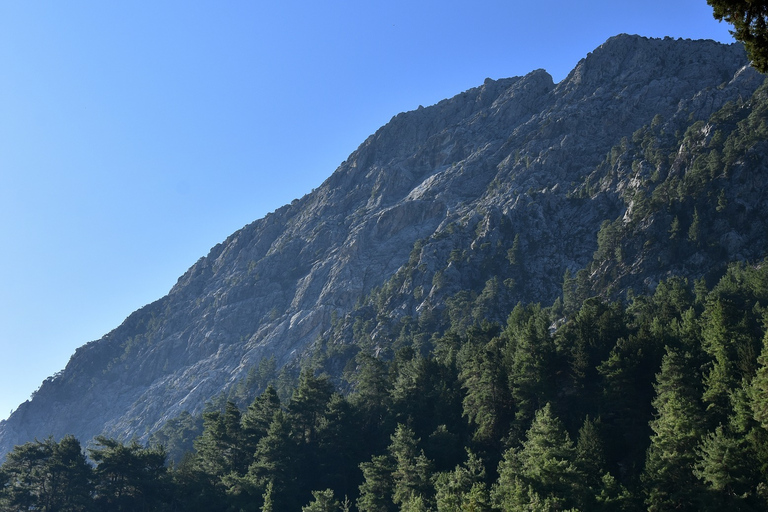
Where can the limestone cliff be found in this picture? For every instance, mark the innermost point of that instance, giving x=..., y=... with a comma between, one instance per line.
x=429, y=205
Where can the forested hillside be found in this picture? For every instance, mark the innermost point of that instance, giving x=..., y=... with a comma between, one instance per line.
x=487, y=198
x=576, y=330
x=657, y=403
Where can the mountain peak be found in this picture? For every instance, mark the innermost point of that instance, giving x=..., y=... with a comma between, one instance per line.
x=425, y=209
x=640, y=60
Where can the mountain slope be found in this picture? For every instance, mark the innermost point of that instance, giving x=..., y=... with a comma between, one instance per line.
x=428, y=206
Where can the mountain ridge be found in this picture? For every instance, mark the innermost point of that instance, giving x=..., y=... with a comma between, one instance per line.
x=499, y=160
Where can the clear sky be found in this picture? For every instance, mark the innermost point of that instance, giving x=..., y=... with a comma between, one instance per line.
x=134, y=136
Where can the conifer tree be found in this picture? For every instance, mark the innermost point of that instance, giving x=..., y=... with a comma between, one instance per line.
x=759, y=387
x=487, y=403
x=528, y=362
x=543, y=470
x=750, y=26
x=339, y=447
x=258, y=417
x=308, y=403
x=128, y=477
x=590, y=453
x=220, y=446
x=677, y=429
x=727, y=467
x=377, y=486
x=371, y=399
x=412, y=469
x=268, y=504
x=274, y=466
x=463, y=488
x=322, y=501
x=46, y=476
x=725, y=341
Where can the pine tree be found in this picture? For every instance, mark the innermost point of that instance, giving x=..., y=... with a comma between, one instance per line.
x=625, y=407
x=377, y=486
x=308, y=403
x=128, y=477
x=759, y=387
x=750, y=26
x=412, y=469
x=258, y=417
x=371, y=399
x=339, y=446
x=543, y=470
x=268, y=504
x=677, y=429
x=463, y=488
x=727, y=467
x=529, y=362
x=274, y=466
x=219, y=447
x=487, y=404
x=694, y=231
x=590, y=454
x=46, y=476
x=70, y=476
x=322, y=501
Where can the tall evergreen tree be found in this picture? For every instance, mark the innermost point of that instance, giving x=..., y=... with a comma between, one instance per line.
x=719, y=342
x=544, y=469
x=750, y=26
x=677, y=429
x=528, y=361
x=412, y=469
x=258, y=417
x=759, y=387
x=308, y=403
x=48, y=476
x=275, y=465
x=727, y=468
x=376, y=488
x=322, y=501
x=128, y=477
x=487, y=403
x=463, y=488
x=339, y=447
x=220, y=446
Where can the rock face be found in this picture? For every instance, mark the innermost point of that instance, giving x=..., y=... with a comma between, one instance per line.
x=422, y=209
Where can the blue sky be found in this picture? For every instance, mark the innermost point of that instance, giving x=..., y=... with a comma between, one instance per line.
x=134, y=136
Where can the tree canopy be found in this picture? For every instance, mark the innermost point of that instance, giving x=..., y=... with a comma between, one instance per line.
x=750, y=26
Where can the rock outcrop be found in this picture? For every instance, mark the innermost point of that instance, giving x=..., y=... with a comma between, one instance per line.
x=425, y=206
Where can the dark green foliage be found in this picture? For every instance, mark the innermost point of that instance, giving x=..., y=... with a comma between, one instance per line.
x=377, y=485
x=46, y=476
x=322, y=501
x=177, y=436
x=759, y=388
x=750, y=26
x=464, y=488
x=728, y=468
x=220, y=447
x=258, y=417
x=543, y=470
x=677, y=430
x=129, y=477
x=487, y=404
x=658, y=404
x=530, y=363
x=411, y=469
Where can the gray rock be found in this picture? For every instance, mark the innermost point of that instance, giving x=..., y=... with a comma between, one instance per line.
x=465, y=175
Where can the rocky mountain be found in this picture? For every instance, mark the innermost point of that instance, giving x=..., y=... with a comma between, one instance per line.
x=517, y=190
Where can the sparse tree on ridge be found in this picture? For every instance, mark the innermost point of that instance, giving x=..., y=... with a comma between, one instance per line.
x=750, y=26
